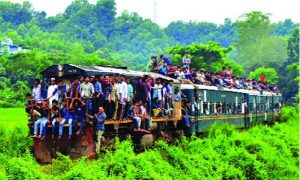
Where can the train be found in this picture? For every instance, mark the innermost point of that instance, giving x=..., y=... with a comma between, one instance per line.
x=230, y=103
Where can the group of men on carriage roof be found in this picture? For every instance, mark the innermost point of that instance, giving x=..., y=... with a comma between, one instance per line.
x=223, y=79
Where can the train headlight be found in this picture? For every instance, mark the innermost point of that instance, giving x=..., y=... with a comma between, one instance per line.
x=60, y=67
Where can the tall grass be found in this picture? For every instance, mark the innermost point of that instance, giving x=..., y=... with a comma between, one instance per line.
x=261, y=152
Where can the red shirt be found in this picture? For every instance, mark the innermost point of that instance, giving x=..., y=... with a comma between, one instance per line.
x=262, y=78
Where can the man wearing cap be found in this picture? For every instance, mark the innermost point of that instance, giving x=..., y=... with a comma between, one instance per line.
x=186, y=61
x=50, y=94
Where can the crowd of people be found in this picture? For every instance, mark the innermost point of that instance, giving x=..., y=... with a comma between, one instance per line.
x=223, y=78
x=96, y=99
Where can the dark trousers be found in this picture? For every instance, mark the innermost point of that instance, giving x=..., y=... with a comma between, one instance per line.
x=111, y=110
x=101, y=101
x=107, y=108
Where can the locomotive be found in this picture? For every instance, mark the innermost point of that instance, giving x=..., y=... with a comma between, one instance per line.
x=230, y=103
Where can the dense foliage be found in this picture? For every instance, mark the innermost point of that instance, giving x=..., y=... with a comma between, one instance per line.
x=269, y=72
x=92, y=34
x=261, y=152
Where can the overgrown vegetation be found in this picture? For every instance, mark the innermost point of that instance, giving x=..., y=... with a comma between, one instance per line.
x=261, y=152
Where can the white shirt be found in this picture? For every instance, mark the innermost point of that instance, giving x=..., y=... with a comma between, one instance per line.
x=124, y=90
x=157, y=92
x=37, y=93
x=51, y=89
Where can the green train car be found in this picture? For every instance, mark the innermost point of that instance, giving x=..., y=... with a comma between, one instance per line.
x=242, y=108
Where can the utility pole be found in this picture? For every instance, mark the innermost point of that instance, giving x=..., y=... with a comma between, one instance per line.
x=154, y=10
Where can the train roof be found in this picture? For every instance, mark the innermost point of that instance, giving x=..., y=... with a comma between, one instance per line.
x=114, y=69
x=244, y=91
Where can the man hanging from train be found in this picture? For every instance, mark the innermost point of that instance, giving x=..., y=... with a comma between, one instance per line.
x=86, y=92
x=65, y=116
x=50, y=93
x=107, y=98
x=100, y=117
x=77, y=107
x=184, y=112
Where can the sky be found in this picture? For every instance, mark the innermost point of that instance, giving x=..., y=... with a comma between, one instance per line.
x=214, y=11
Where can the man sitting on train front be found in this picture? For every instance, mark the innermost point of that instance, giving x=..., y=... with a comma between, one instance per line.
x=77, y=105
x=65, y=117
x=145, y=117
x=158, y=111
x=86, y=92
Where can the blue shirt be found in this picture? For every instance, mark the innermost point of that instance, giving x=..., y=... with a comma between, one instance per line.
x=108, y=92
x=97, y=87
x=162, y=70
x=63, y=113
x=100, y=123
x=78, y=110
x=177, y=97
x=55, y=90
x=156, y=105
x=166, y=60
x=169, y=89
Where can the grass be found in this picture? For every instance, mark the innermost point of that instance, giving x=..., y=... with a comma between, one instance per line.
x=13, y=117
x=261, y=152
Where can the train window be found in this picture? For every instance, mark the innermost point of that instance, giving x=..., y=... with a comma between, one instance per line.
x=205, y=109
x=234, y=108
x=223, y=108
x=212, y=108
x=250, y=107
x=229, y=108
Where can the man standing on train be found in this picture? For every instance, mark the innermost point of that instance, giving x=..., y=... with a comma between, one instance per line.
x=98, y=93
x=60, y=92
x=186, y=61
x=123, y=95
x=86, y=92
x=75, y=89
x=50, y=94
x=37, y=91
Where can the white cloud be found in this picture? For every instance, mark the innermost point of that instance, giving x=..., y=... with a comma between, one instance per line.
x=199, y=10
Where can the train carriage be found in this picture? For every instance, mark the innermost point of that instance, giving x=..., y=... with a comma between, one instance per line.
x=261, y=106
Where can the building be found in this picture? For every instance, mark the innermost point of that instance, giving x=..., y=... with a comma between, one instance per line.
x=9, y=45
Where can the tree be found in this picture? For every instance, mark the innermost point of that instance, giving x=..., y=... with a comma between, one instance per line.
x=210, y=57
x=269, y=73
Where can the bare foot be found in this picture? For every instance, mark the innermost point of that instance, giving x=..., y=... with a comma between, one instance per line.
x=70, y=137
x=35, y=136
x=59, y=137
x=40, y=136
x=78, y=132
x=188, y=125
x=43, y=138
x=52, y=137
